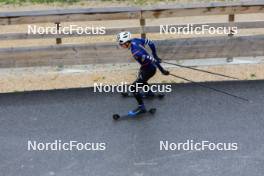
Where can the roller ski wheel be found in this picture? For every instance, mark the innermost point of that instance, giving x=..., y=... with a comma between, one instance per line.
x=149, y=111
x=116, y=116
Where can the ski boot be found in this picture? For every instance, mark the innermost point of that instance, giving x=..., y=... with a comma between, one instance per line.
x=139, y=110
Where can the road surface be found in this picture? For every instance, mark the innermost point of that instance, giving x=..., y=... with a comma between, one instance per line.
x=133, y=145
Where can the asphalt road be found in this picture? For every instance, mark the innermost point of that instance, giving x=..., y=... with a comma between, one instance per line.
x=133, y=145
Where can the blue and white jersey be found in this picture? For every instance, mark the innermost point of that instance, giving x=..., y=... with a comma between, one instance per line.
x=140, y=53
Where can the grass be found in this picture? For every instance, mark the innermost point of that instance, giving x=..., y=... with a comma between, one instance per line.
x=253, y=76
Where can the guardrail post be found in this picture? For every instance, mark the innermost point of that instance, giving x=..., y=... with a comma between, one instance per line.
x=58, y=40
x=231, y=19
x=142, y=22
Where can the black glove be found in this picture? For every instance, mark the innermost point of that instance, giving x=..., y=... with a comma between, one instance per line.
x=162, y=70
x=165, y=72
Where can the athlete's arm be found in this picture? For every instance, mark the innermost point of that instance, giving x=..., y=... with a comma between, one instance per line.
x=161, y=69
x=156, y=60
x=152, y=46
x=138, y=55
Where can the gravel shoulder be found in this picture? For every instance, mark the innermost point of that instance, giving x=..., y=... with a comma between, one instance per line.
x=48, y=78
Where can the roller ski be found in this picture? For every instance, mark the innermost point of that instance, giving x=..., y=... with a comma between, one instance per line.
x=136, y=112
x=144, y=95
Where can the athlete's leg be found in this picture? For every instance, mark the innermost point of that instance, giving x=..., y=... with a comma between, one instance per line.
x=143, y=76
x=142, y=80
x=135, y=88
x=147, y=75
x=141, y=107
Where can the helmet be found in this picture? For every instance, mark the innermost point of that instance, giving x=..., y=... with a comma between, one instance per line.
x=123, y=37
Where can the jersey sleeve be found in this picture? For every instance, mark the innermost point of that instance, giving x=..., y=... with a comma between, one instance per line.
x=151, y=45
x=142, y=57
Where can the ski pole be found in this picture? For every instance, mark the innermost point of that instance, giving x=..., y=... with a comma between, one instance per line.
x=217, y=90
x=218, y=74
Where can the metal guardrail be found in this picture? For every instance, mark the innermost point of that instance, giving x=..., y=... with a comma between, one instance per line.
x=204, y=47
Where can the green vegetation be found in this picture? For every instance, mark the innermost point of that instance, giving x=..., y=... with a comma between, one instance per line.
x=253, y=76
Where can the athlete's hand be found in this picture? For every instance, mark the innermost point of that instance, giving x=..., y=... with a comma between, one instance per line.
x=165, y=72
x=157, y=58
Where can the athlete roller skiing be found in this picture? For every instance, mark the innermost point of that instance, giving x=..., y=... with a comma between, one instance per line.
x=148, y=65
